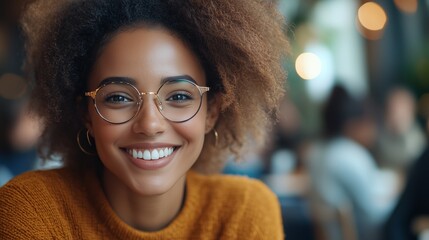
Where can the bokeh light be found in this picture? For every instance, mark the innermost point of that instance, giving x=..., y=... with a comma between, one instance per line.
x=372, y=16
x=308, y=66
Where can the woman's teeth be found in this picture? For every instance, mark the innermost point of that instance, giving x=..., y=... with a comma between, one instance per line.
x=151, y=154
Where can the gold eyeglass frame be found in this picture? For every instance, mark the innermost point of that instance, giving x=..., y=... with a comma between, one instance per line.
x=93, y=95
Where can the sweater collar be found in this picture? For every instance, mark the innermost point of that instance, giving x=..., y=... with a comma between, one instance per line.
x=179, y=227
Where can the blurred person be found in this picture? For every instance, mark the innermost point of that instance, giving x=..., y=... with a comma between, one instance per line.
x=286, y=171
x=345, y=178
x=286, y=153
x=19, y=130
x=287, y=136
x=401, y=139
x=410, y=218
x=20, y=133
x=250, y=164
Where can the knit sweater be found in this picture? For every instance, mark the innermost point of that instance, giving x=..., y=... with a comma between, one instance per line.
x=70, y=204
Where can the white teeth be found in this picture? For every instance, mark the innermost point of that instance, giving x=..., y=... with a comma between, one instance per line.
x=152, y=154
x=146, y=155
x=155, y=154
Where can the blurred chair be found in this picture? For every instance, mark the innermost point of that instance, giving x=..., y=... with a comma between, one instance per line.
x=297, y=218
x=333, y=222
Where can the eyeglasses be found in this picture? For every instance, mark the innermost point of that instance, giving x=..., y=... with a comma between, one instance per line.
x=177, y=100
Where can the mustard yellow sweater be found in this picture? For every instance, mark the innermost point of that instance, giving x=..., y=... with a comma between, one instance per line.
x=70, y=204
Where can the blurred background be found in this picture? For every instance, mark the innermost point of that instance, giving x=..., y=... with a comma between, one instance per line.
x=352, y=129
x=19, y=130
x=353, y=124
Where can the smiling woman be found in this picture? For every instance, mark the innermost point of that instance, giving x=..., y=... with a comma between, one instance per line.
x=146, y=101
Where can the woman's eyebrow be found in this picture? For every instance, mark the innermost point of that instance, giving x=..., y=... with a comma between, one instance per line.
x=134, y=82
x=171, y=78
x=117, y=79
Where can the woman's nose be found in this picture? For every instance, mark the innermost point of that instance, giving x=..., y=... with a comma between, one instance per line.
x=149, y=121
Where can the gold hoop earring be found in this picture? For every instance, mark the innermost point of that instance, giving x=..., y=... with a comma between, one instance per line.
x=216, y=137
x=88, y=143
x=87, y=138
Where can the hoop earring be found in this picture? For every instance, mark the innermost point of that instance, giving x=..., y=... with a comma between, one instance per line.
x=88, y=143
x=216, y=137
x=87, y=138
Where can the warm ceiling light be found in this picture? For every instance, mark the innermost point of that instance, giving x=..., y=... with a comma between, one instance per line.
x=372, y=16
x=308, y=66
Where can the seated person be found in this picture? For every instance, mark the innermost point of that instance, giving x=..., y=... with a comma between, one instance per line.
x=344, y=174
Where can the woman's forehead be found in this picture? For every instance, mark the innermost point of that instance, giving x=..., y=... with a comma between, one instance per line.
x=146, y=53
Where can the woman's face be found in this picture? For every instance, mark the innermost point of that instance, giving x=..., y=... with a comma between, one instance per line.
x=147, y=56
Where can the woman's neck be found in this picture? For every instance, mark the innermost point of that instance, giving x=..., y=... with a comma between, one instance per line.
x=146, y=213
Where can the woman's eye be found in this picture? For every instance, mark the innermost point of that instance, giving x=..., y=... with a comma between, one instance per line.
x=179, y=97
x=117, y=98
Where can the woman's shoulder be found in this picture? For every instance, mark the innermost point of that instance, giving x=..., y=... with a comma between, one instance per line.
x=41, y=197
x=231, y=187
x=246, y=204
x=38, y=184
x=32, y=178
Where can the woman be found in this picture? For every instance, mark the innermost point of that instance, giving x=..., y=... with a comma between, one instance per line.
x=138, y=97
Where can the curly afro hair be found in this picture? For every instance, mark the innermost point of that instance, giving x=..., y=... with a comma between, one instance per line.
x=241, y=44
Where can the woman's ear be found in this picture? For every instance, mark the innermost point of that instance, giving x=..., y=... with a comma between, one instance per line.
x=213, y=111
x=88, y=123
x=84, y=115
x=88, y=126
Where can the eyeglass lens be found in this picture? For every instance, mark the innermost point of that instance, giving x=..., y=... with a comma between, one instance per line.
x=177, y=100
